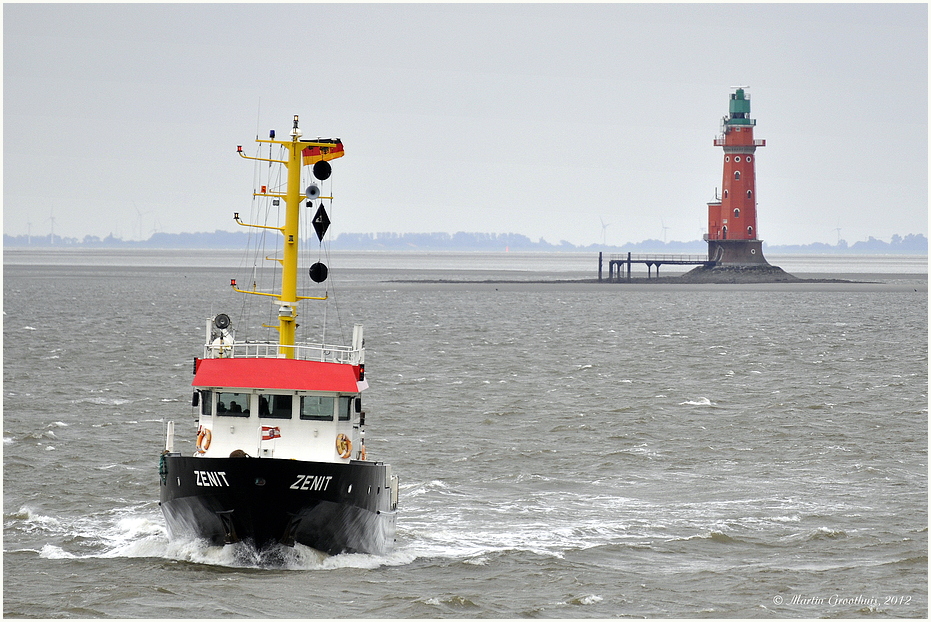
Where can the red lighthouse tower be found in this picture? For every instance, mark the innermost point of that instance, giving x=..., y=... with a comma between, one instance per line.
x=732, y=233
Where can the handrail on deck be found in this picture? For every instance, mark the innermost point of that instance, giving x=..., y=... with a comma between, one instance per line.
x=271, y=349
x=666, y=258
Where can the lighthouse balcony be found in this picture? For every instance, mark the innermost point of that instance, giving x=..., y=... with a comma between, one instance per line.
x=721, y=141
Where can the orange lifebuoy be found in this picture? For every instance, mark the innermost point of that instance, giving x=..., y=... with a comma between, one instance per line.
x=204, y=437
x=343, y=445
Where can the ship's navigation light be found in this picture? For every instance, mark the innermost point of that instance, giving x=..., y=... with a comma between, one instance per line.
x=271, y=134
x=295, y=132
x=232, y=282
x=238, y=148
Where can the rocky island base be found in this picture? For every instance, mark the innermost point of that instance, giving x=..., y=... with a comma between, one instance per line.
x=762, y=273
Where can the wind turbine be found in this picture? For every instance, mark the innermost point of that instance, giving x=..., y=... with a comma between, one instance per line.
x=140, y=215
x=51, y=218
x=663, y=224
x=603, y=233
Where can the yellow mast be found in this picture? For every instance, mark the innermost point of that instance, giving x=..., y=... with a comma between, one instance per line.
x=288, y=298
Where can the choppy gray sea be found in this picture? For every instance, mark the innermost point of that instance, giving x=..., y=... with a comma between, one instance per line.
x=566, y=450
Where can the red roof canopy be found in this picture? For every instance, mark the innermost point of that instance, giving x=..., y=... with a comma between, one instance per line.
x=277, y=374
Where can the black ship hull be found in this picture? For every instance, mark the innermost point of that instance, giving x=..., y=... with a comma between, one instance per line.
x=331, y=507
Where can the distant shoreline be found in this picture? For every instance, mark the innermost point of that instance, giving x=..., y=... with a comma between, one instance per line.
x=911, y=244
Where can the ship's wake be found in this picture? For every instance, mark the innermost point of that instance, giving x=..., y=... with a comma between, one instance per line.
x=141, y=533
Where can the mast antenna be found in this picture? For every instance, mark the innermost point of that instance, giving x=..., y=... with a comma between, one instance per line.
x=258, y=118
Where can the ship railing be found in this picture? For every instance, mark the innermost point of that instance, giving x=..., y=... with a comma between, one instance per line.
x=270, y=349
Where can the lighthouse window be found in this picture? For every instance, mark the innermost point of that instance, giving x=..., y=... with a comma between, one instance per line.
x=725, y=194
x=233, y=404
x=727, y=158
x=317, y=407
x=275, y=406
x=736, y=174
x=749, y=194
x=749, y=230
x=736, y=213
x=736, y=158
x=748, y=158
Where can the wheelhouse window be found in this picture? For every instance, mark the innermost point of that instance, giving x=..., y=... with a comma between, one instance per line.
x=345, y=408
x=317, y=408
x=233, y=404
x=204, y=400
x=275, y=406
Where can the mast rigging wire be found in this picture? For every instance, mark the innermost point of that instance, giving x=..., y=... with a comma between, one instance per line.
x=259, y=248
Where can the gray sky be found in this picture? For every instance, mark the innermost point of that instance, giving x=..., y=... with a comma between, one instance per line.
x=537, y=119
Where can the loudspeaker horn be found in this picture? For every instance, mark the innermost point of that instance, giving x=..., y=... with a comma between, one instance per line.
x=312, y=191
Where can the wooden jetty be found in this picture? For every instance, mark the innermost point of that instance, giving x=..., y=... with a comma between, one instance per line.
x=617, y=263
